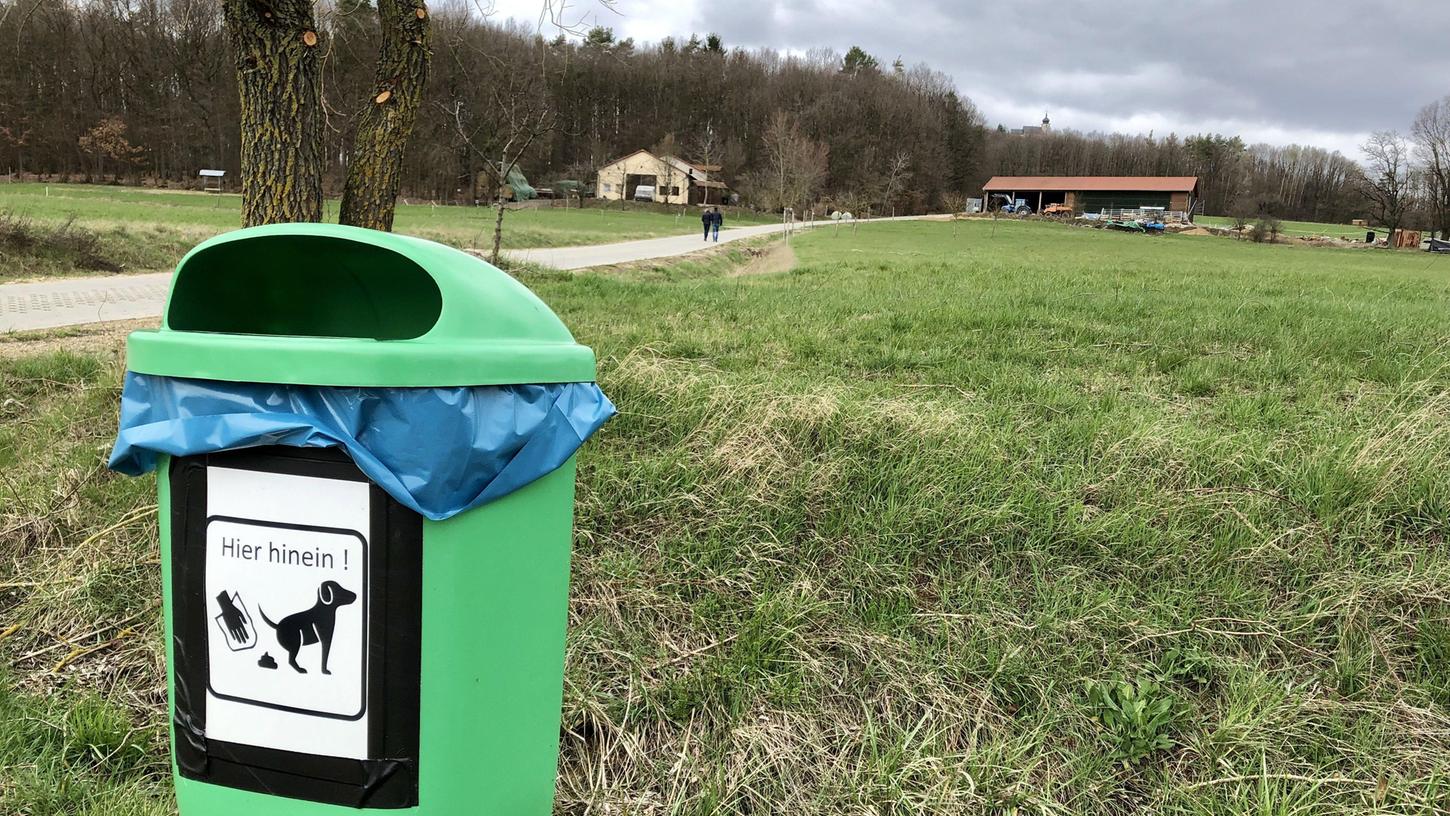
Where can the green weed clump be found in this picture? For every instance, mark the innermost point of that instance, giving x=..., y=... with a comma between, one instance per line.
x=1137, y=717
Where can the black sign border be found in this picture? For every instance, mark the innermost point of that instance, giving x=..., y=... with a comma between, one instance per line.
x=389, y=777
x=367, y=618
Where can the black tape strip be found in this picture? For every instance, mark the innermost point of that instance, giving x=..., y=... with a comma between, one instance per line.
x=389, y=778
x=188, y=628
x=334, y=780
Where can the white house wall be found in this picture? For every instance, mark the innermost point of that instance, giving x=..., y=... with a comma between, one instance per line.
x=612, y=179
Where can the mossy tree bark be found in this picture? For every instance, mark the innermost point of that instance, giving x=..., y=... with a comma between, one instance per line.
x=279, y=77
x=375, y=172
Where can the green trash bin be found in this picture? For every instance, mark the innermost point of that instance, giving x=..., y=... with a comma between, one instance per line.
x=329, y=646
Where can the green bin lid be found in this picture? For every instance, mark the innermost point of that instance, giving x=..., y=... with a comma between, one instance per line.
x=321, y=304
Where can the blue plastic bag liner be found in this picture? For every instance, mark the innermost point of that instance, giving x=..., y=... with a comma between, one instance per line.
x=439, y=451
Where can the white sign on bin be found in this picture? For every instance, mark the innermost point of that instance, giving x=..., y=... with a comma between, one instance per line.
x=287, y=606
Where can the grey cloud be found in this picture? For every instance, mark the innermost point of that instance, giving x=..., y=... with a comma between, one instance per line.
x=1295, y=66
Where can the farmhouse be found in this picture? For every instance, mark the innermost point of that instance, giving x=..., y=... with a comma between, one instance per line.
x=674, y=180
x=1093, y=194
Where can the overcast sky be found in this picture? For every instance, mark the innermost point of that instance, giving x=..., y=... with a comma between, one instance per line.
x=1323, y=72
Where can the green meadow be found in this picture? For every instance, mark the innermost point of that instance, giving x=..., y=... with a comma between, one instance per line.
x=1001, y=518
x=136, y=230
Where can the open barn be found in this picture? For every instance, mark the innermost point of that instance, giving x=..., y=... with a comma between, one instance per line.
x=1091, y=194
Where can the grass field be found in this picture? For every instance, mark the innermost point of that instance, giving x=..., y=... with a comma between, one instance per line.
x=1299, y=229
x=146, y=230
x=1021, y=520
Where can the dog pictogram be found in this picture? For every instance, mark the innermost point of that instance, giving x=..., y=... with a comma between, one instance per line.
x=314, y=625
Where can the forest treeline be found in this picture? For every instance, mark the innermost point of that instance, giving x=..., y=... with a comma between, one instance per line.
x=144, y=90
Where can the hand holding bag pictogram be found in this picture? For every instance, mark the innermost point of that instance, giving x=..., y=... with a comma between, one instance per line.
x=235, y=623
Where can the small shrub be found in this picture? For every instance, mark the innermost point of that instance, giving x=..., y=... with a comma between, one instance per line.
x=17, y=231
x=1264, y=229
x=66, y=244
x=1241, y=221
x=81, y=245
x=1136, y=716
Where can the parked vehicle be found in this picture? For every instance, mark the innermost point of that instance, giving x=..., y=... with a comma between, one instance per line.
x=1018, y=207
x=1057, y=209
x=644, y=192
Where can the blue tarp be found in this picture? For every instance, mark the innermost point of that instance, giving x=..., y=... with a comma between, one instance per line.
x=439, y=451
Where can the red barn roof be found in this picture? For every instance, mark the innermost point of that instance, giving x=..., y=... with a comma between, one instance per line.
x=1092, y=184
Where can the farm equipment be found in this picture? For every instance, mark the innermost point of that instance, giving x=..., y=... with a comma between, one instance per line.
x=1057, y=209
x=1017, y=207
x=1149, y=227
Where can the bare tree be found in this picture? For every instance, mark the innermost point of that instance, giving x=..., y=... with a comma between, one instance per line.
x=898, y=172
x=1431, y=133
x=667, y=150
x=706, y=146
x=1387, y=182
x=518, y=115
x=956, y=204
x=794, y=167
x=708, y=150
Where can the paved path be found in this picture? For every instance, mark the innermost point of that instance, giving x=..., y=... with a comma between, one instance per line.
x=583, y=257
x=75, y=301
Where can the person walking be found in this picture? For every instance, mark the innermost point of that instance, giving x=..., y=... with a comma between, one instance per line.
x=718, y=220
x=707, y=218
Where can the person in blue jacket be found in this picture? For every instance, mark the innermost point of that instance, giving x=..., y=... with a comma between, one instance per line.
x=717, y=219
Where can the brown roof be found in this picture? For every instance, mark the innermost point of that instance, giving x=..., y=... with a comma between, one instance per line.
x=1094, y=184
x=626, y=156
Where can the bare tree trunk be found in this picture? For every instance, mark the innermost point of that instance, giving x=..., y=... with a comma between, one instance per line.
x=497, y=234
x=280, y=84
x=375, y=171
